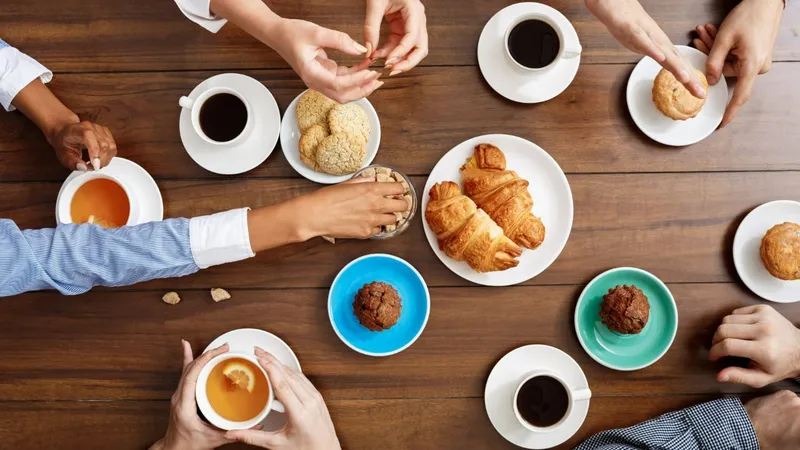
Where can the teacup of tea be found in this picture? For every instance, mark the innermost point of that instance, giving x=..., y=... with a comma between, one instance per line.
x=100, y=198
x=536, y=41
x=220, y=115
x=234, y=393
x=543, y=401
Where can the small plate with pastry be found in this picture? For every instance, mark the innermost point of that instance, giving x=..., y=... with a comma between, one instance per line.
x=665, y=110
x=766, y=251
x=327, y=142
x=498, y=210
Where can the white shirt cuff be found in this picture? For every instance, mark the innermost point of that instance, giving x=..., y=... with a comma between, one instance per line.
x=17, y=70
x=220, y=238
x=199, y=12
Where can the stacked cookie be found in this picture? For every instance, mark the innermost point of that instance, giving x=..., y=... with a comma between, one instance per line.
x=334, y=136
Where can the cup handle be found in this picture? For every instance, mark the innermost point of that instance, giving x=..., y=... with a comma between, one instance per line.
x=572, y=51
x=278, y=406
x=186, y=102
x=580, y=395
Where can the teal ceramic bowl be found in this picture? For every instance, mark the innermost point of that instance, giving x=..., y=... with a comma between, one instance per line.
x=633, y=351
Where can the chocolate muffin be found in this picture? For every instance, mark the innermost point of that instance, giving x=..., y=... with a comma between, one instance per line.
x=377, y=306
x=625, y=310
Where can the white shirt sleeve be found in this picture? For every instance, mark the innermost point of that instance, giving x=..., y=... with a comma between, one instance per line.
x=220, y=238
x=17, y=70
x=199, y=12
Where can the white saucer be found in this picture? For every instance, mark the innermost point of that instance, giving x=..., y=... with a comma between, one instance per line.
x=290, y=142
x=657, y=126
x=252, y=152
x=747, y=251
x=151, y=206
x=244, y=340
x=552, y=202
x=507, y=79
x=506, y=376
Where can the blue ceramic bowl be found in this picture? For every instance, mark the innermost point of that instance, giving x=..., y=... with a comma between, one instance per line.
x=633, y=351
x=413, y=292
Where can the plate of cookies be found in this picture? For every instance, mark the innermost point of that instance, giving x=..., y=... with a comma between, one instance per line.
x=327, y=142
x=498, y=210
x=766, y=251
x=665, y=110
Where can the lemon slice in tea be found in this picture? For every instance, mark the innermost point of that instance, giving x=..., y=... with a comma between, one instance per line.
x=240, y=375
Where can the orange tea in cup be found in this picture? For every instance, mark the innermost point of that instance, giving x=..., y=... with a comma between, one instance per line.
x=100, y=201
x=237, y=390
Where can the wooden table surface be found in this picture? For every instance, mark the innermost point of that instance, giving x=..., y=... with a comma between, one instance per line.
x=97, y=371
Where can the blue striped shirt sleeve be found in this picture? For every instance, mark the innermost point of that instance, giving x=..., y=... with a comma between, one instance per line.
x=3, y=44
x=74, y=258
x=719, y=425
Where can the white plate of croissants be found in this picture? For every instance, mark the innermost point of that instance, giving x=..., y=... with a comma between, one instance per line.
x=498, y=210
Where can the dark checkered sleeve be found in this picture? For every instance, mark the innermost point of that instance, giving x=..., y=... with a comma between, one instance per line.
x=719, y=425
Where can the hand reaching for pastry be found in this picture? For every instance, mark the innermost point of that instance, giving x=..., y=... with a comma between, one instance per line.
x=742, y=48
x=630, y=24
x=354, y=209
x=407, y=43
x=309, y=424
x=764, y=336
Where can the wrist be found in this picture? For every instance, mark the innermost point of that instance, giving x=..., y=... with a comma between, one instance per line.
x=53, y=125
x=270, y=29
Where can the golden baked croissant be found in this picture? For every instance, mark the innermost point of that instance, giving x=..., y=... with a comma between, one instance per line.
x=466, y=233
x=502, y=194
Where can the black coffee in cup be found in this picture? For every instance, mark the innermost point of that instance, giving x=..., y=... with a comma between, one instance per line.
x=534, y=43
x=223, y=117
x=542, y=401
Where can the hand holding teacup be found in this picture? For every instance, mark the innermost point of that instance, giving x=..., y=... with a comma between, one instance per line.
x=70, y=139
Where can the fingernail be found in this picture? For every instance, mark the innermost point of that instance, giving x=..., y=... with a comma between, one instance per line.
x=359, y=47
x=391, y=61
x=724, y=378
x=80, y=167
x=393, y=73
x=96, y=163
x=380, y=83
x=369, y=49
x=183, y=341
x=264, y=361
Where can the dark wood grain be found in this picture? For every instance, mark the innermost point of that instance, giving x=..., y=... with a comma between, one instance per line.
x=391, y=424
x=126, y=345
x=678, y=226
x=423, y=115
x=97, y=35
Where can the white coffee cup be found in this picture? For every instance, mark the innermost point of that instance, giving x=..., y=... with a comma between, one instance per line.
x=568, y=48
x=64, y=206
x=215, y=419
x=195, y=105
x=575, y=395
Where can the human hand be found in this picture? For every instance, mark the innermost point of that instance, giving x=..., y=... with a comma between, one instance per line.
x=630, y=24
x=407, y=44
x=70, y=139
x=186, y=431
x=309, y=424
x=302, y=44
x=776, y=420
x=742, y=48
x=764, y=336
x=354, y=209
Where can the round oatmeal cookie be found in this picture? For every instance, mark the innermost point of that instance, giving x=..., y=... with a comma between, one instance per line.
x=780, y=251
x=309, y=142
x=312, y=109
x=341, y=154
x=673, y=99
x=350, y=119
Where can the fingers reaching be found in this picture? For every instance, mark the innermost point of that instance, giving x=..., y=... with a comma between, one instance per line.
x=280, y=382
x=683, y=72
x=372, y=26
x=338, y=40
x=716, y=58
x=734, y=347
x=741, y=93
x=735, y=331
x=414, y=57
x=414, y=18
x=192, y=372
x=751, y=377
x=256, y=438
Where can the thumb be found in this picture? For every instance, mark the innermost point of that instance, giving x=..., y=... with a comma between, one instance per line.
x=256, y=438
x=372, y=27
x=716, y=58
x=328, y=38
x=751, y=377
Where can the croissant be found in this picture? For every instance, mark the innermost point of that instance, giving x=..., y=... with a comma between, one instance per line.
x=466, y=233
x=502, y=194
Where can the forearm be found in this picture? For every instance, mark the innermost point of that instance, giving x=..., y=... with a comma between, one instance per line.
x=277, y=225
x=253, y=16
x=44, y=109
x=720, y=424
